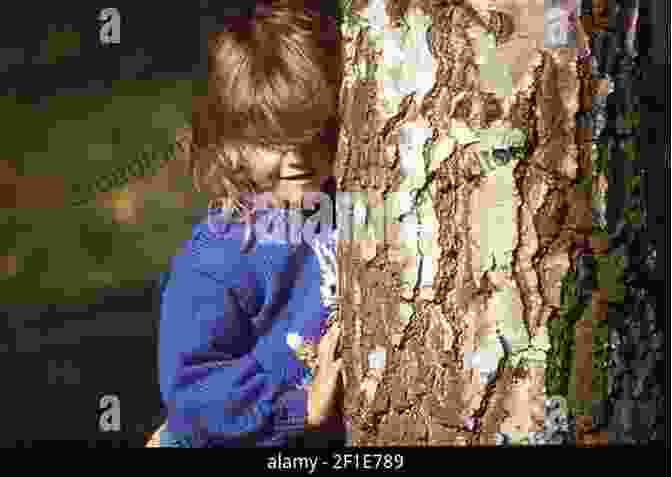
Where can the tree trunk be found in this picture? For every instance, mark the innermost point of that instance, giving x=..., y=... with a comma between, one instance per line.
x=445, y=336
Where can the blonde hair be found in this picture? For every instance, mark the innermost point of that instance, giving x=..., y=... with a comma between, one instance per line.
x=273, y=82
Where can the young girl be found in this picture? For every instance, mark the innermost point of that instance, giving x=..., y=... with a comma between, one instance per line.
x=245, y=358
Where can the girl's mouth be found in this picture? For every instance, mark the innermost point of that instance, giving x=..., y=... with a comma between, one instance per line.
x=306, y=175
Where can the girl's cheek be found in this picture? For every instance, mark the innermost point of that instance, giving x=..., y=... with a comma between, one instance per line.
x=265, y=169
x=265, y=175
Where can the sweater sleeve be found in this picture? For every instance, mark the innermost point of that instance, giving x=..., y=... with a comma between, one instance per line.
x=213, y=386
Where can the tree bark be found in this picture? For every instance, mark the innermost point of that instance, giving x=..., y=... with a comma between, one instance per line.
x=527, y=213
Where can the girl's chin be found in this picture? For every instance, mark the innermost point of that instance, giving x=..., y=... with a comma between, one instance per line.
x=296, y=183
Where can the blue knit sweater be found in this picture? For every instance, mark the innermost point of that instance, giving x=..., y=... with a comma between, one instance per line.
x=228, y=374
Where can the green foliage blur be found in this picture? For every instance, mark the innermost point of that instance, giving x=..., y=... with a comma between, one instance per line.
x=67, y=255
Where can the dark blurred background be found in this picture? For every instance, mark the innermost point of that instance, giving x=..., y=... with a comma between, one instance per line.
x=79, y=285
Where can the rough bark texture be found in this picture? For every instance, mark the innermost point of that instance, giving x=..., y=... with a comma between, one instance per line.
x=618, y=274
x=426, y=394
x=634, y=411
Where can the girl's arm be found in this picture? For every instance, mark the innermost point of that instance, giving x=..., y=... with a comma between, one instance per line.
x=211, y=382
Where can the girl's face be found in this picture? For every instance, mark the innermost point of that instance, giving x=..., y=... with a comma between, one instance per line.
x=281, y=173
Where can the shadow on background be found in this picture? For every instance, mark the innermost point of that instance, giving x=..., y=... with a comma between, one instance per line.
x=61, y=359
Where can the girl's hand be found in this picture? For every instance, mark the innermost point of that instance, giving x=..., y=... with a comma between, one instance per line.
x=322, y=391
